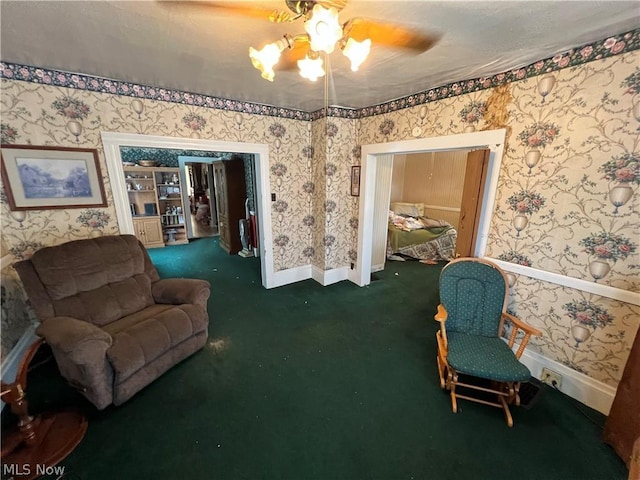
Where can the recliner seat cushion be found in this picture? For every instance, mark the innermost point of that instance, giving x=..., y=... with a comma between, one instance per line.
x=143, y=340
x=485, y=357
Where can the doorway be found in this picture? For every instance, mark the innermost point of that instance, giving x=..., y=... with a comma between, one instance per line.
x=112, y=143
x=375, y=155
x=199, y=196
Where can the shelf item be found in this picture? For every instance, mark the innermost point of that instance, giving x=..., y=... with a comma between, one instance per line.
x=172, y=219
x=155, y=198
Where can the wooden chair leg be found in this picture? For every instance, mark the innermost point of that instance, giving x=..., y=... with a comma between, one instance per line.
x=516, y=394
x=505, y=408
x=441, y=372
x=453, y=379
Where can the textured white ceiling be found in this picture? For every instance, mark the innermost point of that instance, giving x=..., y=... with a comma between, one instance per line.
x=186, y=49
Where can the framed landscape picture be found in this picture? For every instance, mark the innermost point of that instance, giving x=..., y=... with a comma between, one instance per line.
x=42, y=178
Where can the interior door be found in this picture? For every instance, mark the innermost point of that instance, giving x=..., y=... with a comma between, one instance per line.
x=471, y=205
x=219, y=180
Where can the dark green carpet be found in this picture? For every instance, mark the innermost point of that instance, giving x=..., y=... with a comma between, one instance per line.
x=329, y=383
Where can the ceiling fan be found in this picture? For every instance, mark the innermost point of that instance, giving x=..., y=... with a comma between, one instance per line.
x=323, y=34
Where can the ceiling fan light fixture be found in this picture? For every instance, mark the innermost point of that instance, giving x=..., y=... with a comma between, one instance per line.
x=311, y=68
x=323, y=28
x=356, y=52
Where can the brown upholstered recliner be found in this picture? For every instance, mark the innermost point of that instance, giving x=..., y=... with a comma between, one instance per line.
x=113, y=325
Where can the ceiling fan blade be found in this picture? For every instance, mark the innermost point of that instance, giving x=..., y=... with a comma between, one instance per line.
x=389, y=34
x=244, y=9
x=337, y=4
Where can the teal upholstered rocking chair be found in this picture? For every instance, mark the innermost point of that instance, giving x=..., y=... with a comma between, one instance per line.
x=472, y=357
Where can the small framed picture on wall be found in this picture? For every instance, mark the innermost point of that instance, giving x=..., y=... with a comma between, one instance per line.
x=355, y=181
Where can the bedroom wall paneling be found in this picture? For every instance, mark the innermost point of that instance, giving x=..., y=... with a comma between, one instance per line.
x=435, y=179
x=381, y=212
x=446, y=180
x=397, y=178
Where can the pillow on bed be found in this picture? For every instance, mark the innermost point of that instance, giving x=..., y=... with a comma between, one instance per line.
x=432, y=222
x=411, y=209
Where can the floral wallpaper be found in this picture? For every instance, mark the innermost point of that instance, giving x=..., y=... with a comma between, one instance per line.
x=166, y=157
x=335, y=233
x=52, y=115
x=588, y=333
x=567, y=199
x=318, y=187
x=290, y=179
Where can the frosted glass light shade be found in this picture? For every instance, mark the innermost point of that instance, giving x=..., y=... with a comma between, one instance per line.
x=265, y=59
x=323, y=28
x=311, y=69
x=357, y=52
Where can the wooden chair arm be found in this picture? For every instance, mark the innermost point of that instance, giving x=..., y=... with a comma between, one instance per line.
x=441, y=315
x=520, y=325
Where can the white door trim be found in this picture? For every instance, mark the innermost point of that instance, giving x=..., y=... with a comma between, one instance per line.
x=112, y=141
x=492, y=139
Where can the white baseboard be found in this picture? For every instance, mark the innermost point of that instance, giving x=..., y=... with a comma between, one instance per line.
x=327, y=277
x=291, y=275
x=583, y=388
x=323, y=277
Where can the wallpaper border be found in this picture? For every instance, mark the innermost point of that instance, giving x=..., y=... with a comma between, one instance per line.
x=609, y=47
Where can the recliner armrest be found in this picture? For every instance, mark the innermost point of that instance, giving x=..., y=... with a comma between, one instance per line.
x=73, y=336
x=176, y=291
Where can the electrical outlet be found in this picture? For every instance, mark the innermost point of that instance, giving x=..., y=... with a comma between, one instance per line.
x=551, y=378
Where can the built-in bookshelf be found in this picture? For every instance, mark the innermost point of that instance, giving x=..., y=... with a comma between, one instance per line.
x=157, y=209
